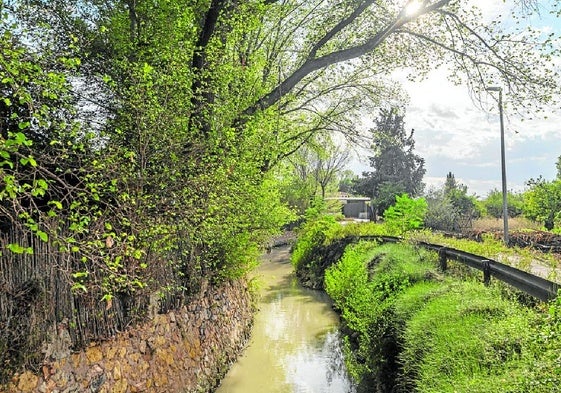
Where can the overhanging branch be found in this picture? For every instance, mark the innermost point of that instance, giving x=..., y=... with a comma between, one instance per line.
x=313, y=64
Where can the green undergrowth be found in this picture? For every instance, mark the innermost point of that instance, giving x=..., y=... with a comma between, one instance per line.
x=323, y=231
x=364, y=285
x=409, y=328
x=321, y=241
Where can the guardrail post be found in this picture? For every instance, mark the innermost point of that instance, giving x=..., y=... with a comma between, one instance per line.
x=486, y=271
x=442, y=259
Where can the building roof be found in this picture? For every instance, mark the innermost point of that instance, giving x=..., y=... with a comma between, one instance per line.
x=348, y=199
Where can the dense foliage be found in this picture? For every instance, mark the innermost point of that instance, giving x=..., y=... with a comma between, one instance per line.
x=494, y=204
x=320, y=229
x=363, y=296
x=168, y=121
x=405, y=215
x=311, y=173
x=542, y=202
x=451, y=208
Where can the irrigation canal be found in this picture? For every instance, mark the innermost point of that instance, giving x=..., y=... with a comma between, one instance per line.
x=295, y=345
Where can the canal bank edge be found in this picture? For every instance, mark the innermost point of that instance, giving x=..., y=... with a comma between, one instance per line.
x=187, y=350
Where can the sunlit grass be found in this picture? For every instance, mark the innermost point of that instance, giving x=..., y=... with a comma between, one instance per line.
x=465, y=335
x=449, y=332
x=453, y=335
x=492, y=248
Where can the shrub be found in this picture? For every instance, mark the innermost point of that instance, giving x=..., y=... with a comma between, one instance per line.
x=441, y=214
x=322, y=229
x=494, y=204
x=317, y=232
x=406, y=214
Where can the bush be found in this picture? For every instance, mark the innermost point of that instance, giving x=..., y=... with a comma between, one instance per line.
x=406, y=214
x=441, y=215
x=494, y=204
x=317, y=232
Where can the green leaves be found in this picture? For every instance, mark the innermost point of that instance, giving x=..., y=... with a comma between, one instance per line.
x=43, y=236
x=17, y=249
x=542, y=202
x=56, y=204
x=80, y=279
x=406, y=214
x=28, y=160
x=147, y=69
x=17, y=139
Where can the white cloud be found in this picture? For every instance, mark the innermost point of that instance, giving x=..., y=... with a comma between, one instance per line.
x=453, y=134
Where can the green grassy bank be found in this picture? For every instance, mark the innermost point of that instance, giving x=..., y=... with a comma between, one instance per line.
x=410, y=328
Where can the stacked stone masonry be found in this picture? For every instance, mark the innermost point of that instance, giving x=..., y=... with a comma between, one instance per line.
x=188, y=350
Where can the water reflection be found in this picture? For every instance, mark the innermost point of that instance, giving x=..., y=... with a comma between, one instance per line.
x=319, y=370
x=295, y=346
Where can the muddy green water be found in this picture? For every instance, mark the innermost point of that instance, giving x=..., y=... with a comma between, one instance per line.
x=295, y=345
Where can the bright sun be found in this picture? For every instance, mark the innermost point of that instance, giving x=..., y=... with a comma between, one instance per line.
x=413, y=7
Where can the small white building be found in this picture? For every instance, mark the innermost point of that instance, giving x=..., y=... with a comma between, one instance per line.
x=354, y=207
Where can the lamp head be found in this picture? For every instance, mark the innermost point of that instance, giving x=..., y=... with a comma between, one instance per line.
x=494, y=88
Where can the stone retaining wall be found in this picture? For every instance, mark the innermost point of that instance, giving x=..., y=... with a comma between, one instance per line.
x=188, y=350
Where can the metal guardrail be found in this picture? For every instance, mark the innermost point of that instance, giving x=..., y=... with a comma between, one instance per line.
x=533, y=285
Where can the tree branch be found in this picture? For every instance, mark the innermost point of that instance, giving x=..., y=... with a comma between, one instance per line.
x=339, y=27
x=314, y=64
x=200, y=97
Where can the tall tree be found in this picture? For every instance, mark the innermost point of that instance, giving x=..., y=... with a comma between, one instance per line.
x=200, y=98
x=286, y=56
x=397, y=169
x=457, y=194
x=450, y=184
x=330, y=162
x=450, y=208
x=193, y=103
x=315, y=169
x=346, y=181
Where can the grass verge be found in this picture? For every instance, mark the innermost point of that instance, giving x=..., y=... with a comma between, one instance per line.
x=410, y=329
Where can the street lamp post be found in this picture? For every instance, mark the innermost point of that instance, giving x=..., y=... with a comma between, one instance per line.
x=503, y=164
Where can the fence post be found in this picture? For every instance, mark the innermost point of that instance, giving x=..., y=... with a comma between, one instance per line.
x=442, y=259
x=486, y=271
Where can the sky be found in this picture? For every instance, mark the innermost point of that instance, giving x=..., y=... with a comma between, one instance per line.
x=453, y=135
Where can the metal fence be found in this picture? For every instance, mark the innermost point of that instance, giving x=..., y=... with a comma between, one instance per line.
x=533, y=285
